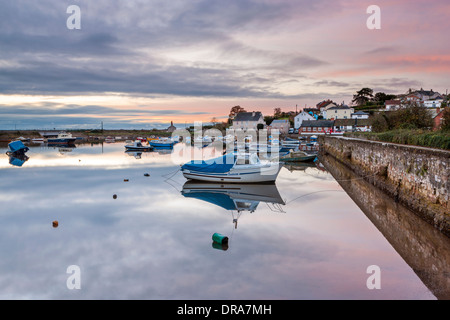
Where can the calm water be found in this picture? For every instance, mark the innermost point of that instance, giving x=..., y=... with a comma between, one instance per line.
x=311, y=240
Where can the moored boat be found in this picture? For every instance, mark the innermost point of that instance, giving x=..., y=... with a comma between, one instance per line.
x=138, y=146
x=162, y=143
x=233, y=168
x=63, y=137
x=37, y=140
x=17, y=147
x=298, y=156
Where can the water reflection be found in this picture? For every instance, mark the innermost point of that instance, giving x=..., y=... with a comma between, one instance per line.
x=154, y=240
x=17, y=159
x=239, y=197
x=425, y=249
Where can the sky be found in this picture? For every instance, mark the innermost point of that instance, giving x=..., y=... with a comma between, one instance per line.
x=144, y=63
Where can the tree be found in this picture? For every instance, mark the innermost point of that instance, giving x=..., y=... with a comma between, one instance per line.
x=363, y=96
x=381, y=97
x=277, y=113
x=234, y=111
x=379, y=123
x=446, y=119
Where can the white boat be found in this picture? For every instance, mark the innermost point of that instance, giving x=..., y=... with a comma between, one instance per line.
x=38, y=140
x=137, y=146
x=63, y=137
x=202, y=141
x=110, y=140
x=233, y=168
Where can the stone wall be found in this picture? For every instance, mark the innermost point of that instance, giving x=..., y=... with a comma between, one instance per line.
x=417, y=177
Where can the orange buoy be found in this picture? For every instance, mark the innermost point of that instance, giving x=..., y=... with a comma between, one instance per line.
x=55, y=224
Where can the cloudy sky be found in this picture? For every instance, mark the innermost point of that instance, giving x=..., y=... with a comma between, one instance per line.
x=144, y=63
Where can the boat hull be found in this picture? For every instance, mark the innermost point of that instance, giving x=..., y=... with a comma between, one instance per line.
x=257, y=175
x=62, y=141
x=161, y=145
x=138, y=149
x=299, y=159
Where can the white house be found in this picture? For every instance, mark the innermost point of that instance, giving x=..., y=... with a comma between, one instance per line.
x=360, y=115
x=338, y=112
x=392, y=105
x=301, y=117
x=248, y=120
x=282, y=125
x=433, y=103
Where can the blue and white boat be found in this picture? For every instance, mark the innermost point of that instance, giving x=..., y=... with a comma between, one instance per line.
x=16, y=153
x=63, y=138
x=232, y=196
x=138, y=146
x=162, y=143
x=16, y=147
x=232, y=168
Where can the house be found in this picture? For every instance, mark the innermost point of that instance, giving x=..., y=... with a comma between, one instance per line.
x=324, y=104
x=427, y=94
x=412, y=97
x=438, y=118
x=338, y=112
x=344, y=125
x=248, y=120
x=360, y=115
x=434, y=103
x=363, y=125
x=392, y=105
x=301, y=117
x=172, y=128
x=351, y=125
x=313, y=111
x=282, y=125
x=316, y=127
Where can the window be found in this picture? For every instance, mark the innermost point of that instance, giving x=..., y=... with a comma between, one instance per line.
x=314, y=129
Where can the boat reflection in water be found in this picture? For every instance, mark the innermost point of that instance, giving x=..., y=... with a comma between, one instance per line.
x=137, y=155
x=17, y=159
x=234, y=197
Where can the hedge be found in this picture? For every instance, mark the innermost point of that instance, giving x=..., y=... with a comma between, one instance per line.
x=423, y=138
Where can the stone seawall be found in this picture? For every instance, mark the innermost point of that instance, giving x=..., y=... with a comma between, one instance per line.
x=417, y=177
